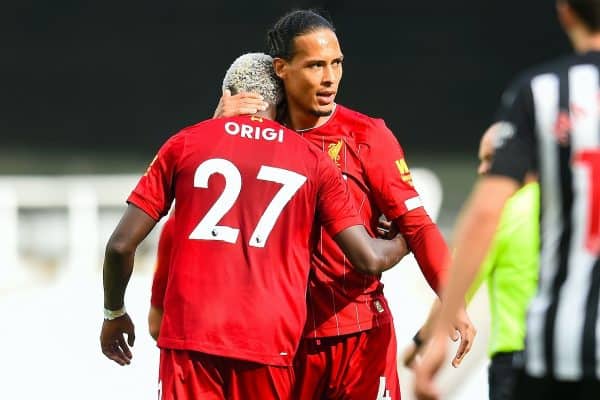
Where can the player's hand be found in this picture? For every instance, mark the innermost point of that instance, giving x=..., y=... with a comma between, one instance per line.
x=243, y=103
x=463, y=329
x=427, y=368
x=112, y=340
x=386, y=229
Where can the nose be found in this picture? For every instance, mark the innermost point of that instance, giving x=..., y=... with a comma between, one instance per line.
x=328, y=75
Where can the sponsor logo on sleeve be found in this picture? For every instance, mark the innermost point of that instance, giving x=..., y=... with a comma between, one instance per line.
x=404, y=171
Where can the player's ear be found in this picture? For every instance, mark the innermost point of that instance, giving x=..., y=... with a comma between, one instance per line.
x=279, y=66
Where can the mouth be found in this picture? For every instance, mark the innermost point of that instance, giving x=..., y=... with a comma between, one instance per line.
x=325, y=97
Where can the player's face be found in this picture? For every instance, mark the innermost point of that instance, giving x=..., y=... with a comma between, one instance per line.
x=312, y=76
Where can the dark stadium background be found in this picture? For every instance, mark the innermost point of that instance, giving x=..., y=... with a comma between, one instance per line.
x=97, y=86
x=122, y=75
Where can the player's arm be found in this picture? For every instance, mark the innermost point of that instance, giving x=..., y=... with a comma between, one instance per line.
x=337, y=214
x=118, y=265
x=369, y=255
x=391, y=183
x=427, y=244
x=148, y=202
x=514, y=157
x=422, y=336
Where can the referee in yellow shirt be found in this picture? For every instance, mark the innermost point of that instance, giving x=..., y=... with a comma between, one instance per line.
x=511, y=272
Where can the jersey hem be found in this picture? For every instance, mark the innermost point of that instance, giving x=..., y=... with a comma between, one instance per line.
x=226, y=351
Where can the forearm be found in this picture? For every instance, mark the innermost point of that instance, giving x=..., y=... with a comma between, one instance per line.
x=427, y=244
x=118, y=266
x=473, y=236
x=120, y=250
x=466, y=260
x=387, y=253
x=369, y=255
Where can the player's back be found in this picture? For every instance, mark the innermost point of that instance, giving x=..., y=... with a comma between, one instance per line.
x=246, y=190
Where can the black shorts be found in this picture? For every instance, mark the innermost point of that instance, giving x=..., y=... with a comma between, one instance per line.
x=529, y=388
x=502, y=376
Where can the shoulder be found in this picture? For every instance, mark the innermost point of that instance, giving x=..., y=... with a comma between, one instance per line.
x=523, y=80
x=521, y=206
x=366, y=128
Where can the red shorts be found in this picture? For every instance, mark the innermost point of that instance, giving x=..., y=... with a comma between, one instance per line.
x=359, y=366
x=189, y=375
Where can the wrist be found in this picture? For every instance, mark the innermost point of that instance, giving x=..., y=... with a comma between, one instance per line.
x=114, y=314
x=417, y=339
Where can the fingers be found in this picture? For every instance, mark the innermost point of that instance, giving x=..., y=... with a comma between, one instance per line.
x=386, y=229
x=117, y=351
x=425, y=371
x=131, y=337
x=243, y=103
x=425, y=388
x=112, y=340
x=467, y=335
x=124, y=348
x=453, y=334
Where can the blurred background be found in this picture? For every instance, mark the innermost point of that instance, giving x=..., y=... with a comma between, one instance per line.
x=91, y=89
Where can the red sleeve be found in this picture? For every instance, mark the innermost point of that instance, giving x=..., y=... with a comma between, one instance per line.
x=155, y=191
x=335, y=210
x=427, y=244
x=387, y=172
x=163, y=260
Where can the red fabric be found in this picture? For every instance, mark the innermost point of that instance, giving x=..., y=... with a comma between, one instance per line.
x=349, y=367
x=163, y=260
x=186, y=375
x=240, y=298
x=427, y=244
x=341, y=300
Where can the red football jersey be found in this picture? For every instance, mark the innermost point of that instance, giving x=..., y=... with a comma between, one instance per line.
x=341, y=300
x=248, y=191
x=163, y=260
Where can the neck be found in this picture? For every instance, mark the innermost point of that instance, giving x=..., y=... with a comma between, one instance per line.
x=584, y=41
x=300, y=120
x=269, y=113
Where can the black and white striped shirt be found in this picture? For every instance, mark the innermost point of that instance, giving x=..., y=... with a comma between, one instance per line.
x=551, y=125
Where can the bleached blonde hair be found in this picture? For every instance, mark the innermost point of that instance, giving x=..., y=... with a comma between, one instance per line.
x=253, y=72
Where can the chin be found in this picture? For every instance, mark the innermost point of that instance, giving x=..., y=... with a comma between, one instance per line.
x=319, y=112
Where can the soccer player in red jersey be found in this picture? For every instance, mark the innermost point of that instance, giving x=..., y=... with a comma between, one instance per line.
x=349, y=347
x=248, y=194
